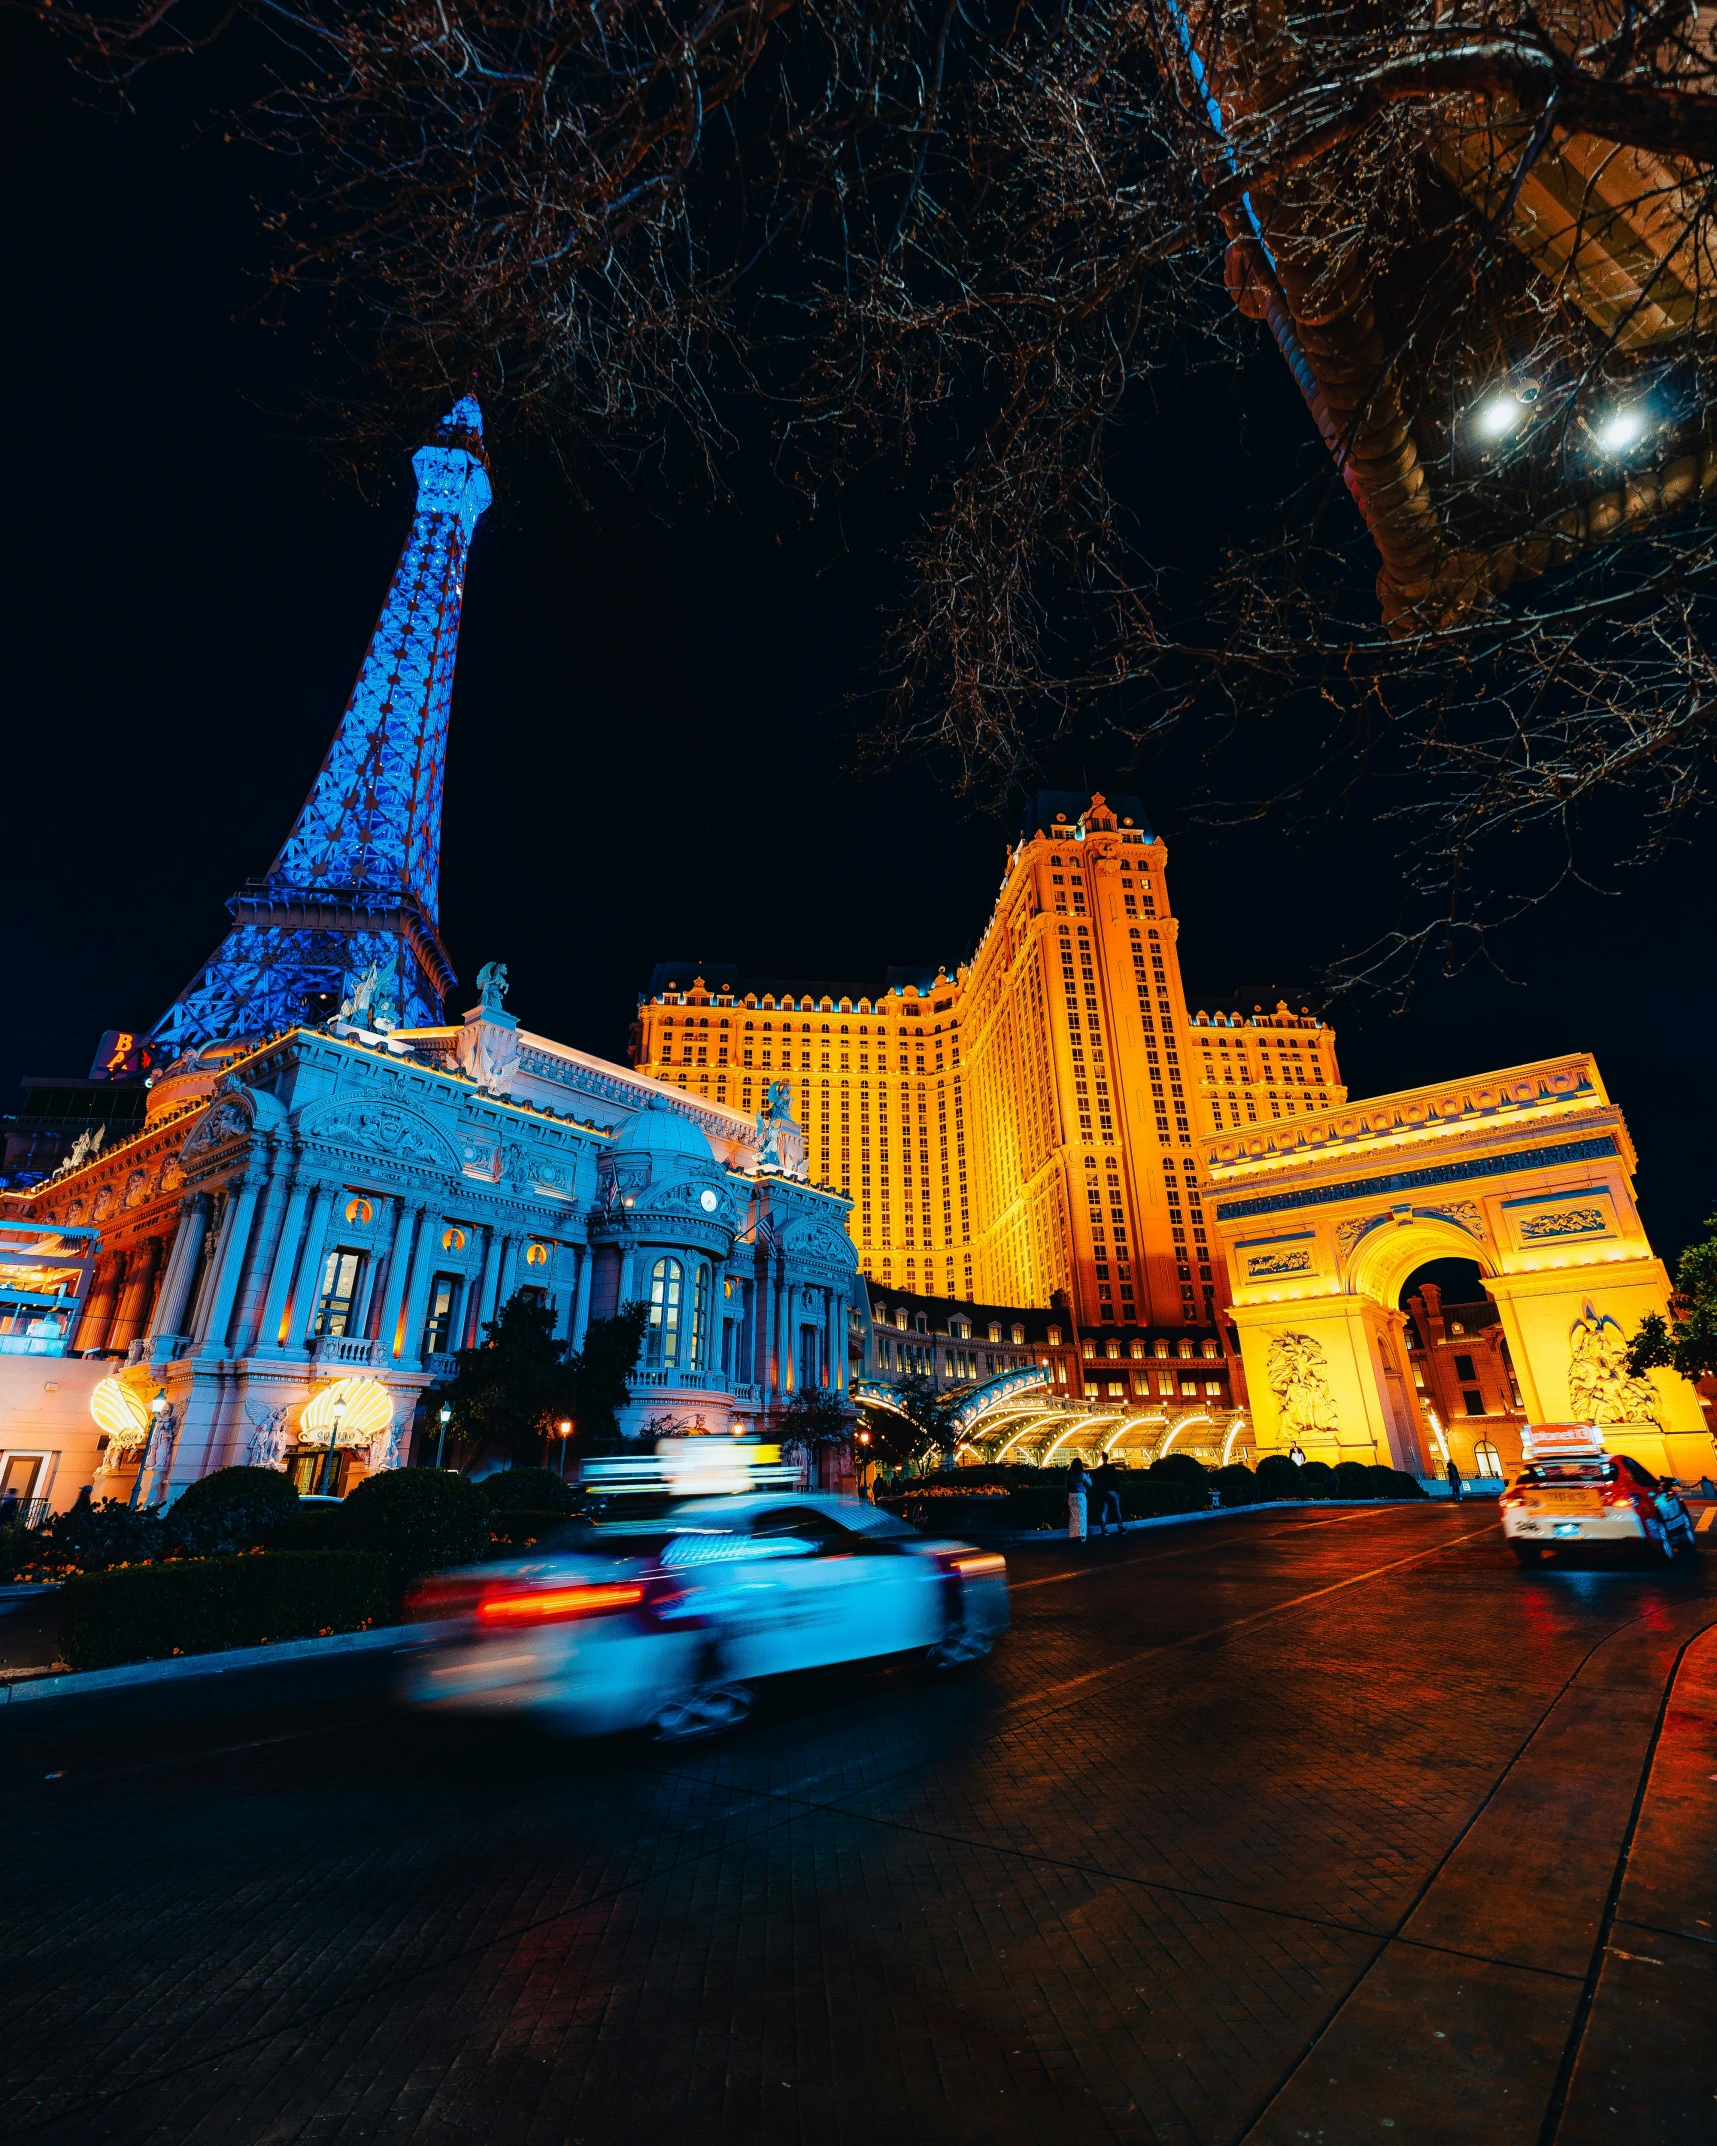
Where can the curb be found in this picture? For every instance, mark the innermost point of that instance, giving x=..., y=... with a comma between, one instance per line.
x=75, y=1683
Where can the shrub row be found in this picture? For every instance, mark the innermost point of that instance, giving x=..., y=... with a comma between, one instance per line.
x=144, y=1613
x=1021, y=1498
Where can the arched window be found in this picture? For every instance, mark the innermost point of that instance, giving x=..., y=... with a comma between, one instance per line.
x=698, y=1357
x=662, y=1344
x=1486, y=1459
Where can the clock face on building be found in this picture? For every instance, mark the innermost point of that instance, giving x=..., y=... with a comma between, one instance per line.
x=707, y=1200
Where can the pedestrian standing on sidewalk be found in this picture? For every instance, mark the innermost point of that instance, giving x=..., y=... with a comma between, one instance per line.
x=1106, y=1487
x=1454, y=1476
x=1296, y=1453
x=1078, y=1483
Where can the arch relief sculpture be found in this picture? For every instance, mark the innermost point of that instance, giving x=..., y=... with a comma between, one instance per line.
x=1601, y=1389
x=1297, y=1370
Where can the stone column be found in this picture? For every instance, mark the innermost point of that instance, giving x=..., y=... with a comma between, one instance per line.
x=229, y=1266
x=266, y=1240
x=837, y=1362
x=310, y=1270
x=508, y=1280
x=181, y=1268
x=422, y=1266
x=141, y=1268
x=486, y=1282
x=105, y=1279
x=628, y=1276
x=410, y=1215
x=279, y=1291
x=581, y=1304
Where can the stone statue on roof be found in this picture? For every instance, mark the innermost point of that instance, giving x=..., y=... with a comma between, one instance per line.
x=492, y=985
x=782, y=1147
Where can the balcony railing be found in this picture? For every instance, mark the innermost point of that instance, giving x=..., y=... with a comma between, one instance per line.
x=343, y=1349
x=694, y=1382
x=440, y=1364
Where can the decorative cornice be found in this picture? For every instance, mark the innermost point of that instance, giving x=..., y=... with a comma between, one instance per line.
x=1397, y=1181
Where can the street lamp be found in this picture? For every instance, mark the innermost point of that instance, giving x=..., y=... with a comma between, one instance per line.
x=446, y=1418
x=564, y=1430
x=330, y=1467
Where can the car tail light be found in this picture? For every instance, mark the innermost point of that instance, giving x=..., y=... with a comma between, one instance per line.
x=1513, y=1497
x=557, y=1605
x=1618, y=1494
x=973, y=1568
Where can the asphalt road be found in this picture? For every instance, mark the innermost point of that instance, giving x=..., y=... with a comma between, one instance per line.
x=1292, y=1828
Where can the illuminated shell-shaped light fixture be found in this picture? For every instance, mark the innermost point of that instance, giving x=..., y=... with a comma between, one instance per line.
x=121, y=1411
x=361, y=1409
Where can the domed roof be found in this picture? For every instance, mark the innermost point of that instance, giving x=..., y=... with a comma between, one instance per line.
x=660, y=1129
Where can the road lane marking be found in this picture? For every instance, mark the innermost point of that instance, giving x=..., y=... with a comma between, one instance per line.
x=1091, y=1572
x=1239, y=1624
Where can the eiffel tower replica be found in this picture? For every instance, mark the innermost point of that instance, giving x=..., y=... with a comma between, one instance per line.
x=349, y=908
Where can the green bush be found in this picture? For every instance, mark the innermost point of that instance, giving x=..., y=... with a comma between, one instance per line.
x=1237, y=1484
x=204, y=1605
x=1353, y=1480
x=1278, y=1477
x=420, y=1519
x=93, y=1537
x=522, y=1531
x=528, y=1490
x=312, y=1527
x=1180, y=1468
x=1319, y=1478
x=233, y=1509
x=1394, y=1483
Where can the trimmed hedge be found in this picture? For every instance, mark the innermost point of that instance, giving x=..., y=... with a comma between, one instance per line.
x=420, y=1519
x=145, y=1613
x=1278, y=1477
x=528, y=1490
x=522, y=1531
x=234, y=1509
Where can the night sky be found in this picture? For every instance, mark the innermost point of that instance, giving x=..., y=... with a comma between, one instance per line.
x=657, y=708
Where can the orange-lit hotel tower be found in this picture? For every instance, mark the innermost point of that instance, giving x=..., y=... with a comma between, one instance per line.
x=1026, y=1125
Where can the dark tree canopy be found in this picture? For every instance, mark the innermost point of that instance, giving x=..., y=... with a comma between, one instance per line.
x=981, y=239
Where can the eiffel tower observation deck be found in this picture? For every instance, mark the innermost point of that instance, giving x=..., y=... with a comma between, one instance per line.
x=348, y=911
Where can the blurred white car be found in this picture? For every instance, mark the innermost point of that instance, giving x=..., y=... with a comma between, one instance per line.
x=1574, y=1493
x=666, y=1624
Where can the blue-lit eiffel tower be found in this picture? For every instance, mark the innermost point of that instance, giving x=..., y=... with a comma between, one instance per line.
x=355, y=890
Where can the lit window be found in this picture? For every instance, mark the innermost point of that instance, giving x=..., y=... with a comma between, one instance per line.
x=662, y=1344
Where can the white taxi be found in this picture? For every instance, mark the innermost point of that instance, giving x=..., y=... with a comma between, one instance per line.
x=1572, y=1493
x=666, y=1624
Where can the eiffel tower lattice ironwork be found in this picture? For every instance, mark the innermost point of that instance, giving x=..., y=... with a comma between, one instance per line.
x=349, y=908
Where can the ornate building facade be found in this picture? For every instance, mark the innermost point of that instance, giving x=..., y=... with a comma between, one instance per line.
x=332, y=1189
x=1022, y=1129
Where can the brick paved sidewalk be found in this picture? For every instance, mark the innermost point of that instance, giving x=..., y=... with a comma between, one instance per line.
x=1210, y=1800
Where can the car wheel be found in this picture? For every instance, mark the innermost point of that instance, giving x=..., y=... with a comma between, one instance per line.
x=1657, y=1533
x=1529, y=1553
x=1689, y=1543
x=958, y=1650
x=708, y=1710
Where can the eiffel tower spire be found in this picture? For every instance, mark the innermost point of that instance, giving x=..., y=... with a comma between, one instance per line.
x=356, y=885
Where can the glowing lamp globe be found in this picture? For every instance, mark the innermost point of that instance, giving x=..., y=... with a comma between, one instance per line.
x=350, y=1412
x=121, y=1412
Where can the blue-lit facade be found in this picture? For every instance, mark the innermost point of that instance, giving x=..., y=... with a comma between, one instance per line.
x=355, y=891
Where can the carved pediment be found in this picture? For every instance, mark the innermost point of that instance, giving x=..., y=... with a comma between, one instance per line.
x=383, y=1129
